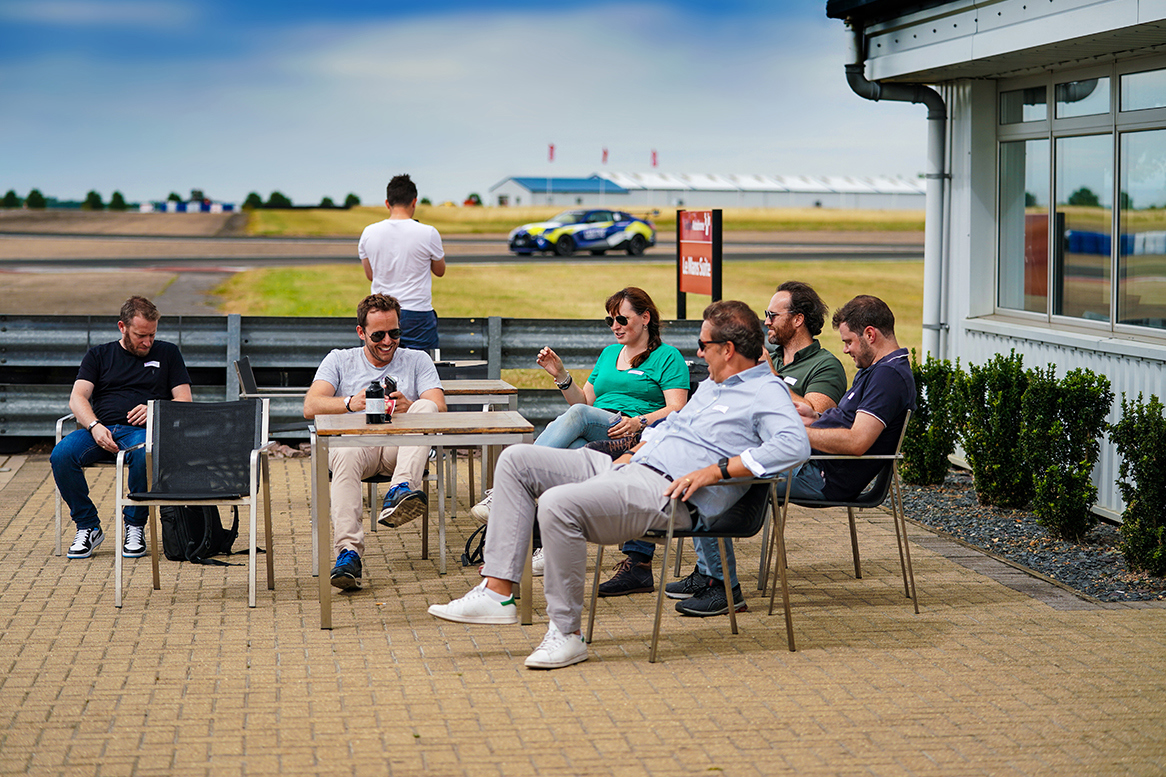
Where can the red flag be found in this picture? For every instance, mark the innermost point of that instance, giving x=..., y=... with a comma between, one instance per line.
x=551, y=152
x=605, y=156
x=653, y=157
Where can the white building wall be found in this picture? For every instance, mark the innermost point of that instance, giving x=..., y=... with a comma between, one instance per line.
x=975, y=333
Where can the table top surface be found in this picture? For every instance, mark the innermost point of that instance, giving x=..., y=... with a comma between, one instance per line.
x=497, y=422
x=472, y=387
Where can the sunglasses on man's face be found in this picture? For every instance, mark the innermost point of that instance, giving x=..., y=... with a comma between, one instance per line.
x=622, y=320
x=376, y=337
x=704, y=344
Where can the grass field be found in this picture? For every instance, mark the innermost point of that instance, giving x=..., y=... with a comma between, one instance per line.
x=578, y=291
x=461, y=220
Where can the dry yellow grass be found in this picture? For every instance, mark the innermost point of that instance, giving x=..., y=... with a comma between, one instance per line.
x=578, y=290
x=462, y=220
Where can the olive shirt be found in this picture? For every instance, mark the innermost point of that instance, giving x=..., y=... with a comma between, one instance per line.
x=813, y=370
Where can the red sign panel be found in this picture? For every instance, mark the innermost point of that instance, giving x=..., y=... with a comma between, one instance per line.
x=696, y=252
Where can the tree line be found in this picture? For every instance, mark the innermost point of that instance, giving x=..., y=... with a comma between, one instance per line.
x=93, y=201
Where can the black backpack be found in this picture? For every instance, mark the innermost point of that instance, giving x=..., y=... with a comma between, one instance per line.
x=195, y=533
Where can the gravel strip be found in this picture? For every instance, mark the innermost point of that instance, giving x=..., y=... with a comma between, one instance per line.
x=1094, y=567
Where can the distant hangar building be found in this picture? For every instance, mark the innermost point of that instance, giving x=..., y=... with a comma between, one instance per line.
x=665, y=190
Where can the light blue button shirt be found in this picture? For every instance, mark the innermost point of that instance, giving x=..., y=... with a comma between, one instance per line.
x=749, y=415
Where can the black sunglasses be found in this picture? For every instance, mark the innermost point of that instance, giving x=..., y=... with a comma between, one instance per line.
x=623, y=320
x=703, y=344
x=376, y=337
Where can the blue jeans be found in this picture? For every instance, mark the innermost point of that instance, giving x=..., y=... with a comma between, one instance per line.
x=79, y=450
x=578, y=426
x=808, y=484
x=419, y=330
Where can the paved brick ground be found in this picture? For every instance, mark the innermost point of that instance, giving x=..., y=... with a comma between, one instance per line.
x=188, y=681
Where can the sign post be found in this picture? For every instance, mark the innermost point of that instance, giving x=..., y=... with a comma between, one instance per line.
x=698, y=256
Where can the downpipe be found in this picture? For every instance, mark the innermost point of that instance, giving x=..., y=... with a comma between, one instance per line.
x=936, y=175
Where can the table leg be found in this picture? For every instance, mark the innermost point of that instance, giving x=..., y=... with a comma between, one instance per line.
x=323, y=511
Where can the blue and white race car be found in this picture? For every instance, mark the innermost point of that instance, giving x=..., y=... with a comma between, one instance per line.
x=597, y=231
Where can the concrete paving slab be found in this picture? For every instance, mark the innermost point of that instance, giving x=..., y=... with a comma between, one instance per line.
x=187, y=680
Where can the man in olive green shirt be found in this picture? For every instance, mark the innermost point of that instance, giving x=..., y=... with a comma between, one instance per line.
x=795, y=317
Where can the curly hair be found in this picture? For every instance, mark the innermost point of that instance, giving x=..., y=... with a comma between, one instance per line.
x=803, y=299
x=381, y=302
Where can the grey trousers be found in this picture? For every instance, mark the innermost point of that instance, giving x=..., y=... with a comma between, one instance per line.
x=579, y=496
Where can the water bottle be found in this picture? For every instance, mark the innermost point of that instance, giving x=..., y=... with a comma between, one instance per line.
x=374, y=403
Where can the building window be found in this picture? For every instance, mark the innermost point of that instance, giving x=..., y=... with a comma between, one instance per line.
x=1084, y=219
x=1141, y=293
x=1024, y=225
x=1081, y=197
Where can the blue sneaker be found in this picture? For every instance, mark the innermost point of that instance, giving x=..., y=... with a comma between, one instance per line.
x=403, y=504
x=347, y=572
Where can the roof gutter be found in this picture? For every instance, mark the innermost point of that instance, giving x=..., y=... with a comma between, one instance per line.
x=933, y=259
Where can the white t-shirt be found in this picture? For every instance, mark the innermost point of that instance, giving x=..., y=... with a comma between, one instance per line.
x=350, y=372
x=399, y=252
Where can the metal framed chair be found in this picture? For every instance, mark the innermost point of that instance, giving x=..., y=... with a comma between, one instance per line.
x=885, y=485
x=57, y=512
x=208, y=453
x=757, y=508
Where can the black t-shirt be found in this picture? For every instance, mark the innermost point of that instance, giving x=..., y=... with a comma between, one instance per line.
x=122, y=381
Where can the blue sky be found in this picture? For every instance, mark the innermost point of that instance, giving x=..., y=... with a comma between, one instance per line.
x=315, y=99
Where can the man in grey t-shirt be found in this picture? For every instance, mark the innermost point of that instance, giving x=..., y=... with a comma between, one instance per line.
x=339, y=387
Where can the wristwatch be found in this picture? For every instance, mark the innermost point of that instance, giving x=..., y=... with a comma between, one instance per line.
x=643, y=422
x=92, y=424
x=724, y=465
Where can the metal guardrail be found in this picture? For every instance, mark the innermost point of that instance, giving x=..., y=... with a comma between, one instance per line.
x=39, y=356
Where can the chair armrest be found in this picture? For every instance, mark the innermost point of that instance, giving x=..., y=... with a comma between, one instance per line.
x=274, y=391
x=864, y=457
x=61, y=423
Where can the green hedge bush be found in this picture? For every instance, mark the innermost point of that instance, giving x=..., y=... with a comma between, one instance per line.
x=991, y=396
x=1060, y=438
x=1140, y=438
x=935, y=424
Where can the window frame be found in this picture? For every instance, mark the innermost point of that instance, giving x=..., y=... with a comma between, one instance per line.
x=1115, y=123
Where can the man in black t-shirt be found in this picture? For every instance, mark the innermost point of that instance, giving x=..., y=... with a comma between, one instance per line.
x=109, y=397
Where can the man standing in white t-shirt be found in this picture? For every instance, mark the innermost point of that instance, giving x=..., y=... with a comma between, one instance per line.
x=398, y=255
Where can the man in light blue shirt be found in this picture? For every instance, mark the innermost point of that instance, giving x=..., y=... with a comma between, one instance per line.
x=740, y=423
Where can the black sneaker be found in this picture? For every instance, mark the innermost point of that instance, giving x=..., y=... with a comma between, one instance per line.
x=85, y=542
x=629, y=578
x=403, y=504
x=687, y=586
x=347, y=572
x=711, y=601
x=135, y=544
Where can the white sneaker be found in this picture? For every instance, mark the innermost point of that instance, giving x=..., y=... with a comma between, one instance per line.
x=558, y=650
x=477, y=607
x=85, y=541
x=481, y=510
x=537, y=563
x=135, y=544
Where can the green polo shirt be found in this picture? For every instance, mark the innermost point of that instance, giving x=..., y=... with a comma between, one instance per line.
x=813, y=370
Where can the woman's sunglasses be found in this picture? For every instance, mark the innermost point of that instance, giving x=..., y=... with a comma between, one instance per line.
x=376, y=337
x=623, y=320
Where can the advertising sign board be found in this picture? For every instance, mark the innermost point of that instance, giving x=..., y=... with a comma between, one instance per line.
x=698, y=255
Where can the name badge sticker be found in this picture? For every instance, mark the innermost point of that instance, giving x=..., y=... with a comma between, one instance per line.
x=721, y=408
x=154, y=363
x=635, y=372
x=790, y=380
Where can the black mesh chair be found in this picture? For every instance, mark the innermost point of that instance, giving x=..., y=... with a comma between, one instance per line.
x=744, y=519
x=205, y=453
x=884, y=485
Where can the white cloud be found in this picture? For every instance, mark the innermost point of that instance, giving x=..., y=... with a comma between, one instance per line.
x=460, y=102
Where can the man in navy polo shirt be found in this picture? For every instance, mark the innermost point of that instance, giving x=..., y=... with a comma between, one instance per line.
x=109, y=397
x=868, y=420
